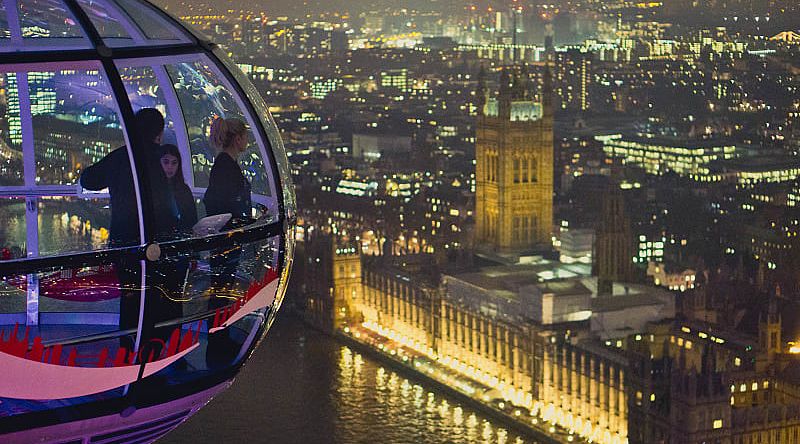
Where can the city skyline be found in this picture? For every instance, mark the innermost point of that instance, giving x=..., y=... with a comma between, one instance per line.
x=578, y=218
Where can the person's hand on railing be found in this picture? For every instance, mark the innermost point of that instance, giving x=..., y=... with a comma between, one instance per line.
x=83, y=193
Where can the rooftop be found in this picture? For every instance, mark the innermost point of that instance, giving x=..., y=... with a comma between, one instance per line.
x=620, y=302
x=650, y=139
x=758, y=163
x=506, y=280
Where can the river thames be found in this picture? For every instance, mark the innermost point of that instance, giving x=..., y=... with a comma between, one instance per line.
x=302, y=386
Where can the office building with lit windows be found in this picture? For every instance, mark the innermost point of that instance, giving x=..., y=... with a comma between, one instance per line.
x=659, y=155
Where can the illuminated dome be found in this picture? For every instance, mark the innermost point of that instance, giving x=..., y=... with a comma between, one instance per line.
x=105, y=336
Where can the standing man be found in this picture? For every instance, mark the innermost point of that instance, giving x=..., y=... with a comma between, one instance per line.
x=115, y=173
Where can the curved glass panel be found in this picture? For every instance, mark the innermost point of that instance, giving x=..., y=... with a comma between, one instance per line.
x=203, y=97
x=38, y=25
x=13, y=231
x=106, y=21
x=203, y=312
x=60, y=318
x=47, y=18
x=145, y=91
x=71, y=224
x=10, y=132
x=42, y=25
x=282, y=163
x=275, y=141
x=75, y=122
x=4, y=31
x=56, y=123
x=230, y=290
x=152, y=24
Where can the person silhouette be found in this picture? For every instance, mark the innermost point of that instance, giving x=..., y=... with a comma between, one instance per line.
x=115, y=173
x=172, y=165
x=228, y=192
x=173, y=273
x=228, y=189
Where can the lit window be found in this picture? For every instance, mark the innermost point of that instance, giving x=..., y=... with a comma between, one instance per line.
x=717, y=424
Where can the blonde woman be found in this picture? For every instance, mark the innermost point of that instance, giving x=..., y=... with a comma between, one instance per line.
x=228, y=190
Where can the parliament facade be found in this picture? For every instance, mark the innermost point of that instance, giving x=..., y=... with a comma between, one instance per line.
x=674, y=381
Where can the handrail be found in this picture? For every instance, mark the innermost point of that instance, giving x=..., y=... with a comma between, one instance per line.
x=137, y=252
x=73, y=190
x=75, y=340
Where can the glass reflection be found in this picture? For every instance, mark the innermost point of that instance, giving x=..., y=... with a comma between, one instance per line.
x=75, y=122
x=144, y=91
x=150, y=23
x=74, y=318
x=203, y=98
x=275, y=142
x=13, y=232
x=104, y=19
x=71, y=224
x=3, y=22
x=47, y=18
x=10, y=131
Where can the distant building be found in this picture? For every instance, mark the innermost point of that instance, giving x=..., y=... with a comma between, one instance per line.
x=373, y=146
x=514, y=169
x=576, y=245
x=573, y=80
x=614, y=255
x=664, y=276
x=396, y=79
x=659, y=155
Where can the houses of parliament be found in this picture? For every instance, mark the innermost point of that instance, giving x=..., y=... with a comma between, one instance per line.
x=604, y=358
x=514, y=166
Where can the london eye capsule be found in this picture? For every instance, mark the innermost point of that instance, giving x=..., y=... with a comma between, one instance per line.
x=146, y=221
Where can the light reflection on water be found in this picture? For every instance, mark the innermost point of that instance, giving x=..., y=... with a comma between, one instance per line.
x=303, y=387
x=400, y=410
x=66, y=224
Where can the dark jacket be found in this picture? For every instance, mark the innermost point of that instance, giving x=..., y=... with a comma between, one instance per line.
x=114, y=172
x=228, y=190
x=186, y=207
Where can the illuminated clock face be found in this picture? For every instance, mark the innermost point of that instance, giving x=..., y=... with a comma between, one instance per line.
x=146, y=215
